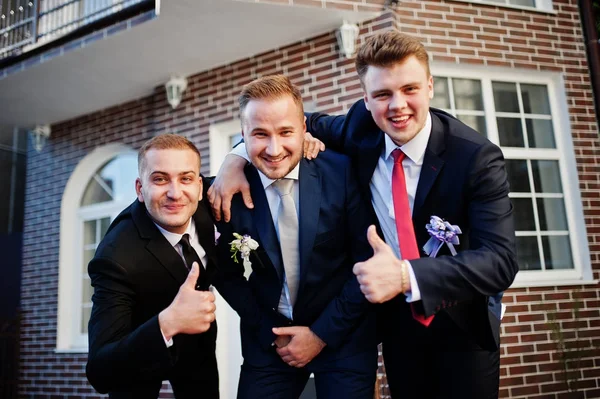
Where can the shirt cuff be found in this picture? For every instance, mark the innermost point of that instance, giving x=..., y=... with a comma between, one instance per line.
x=169, y=343
x=415, y=294
x=240, y=151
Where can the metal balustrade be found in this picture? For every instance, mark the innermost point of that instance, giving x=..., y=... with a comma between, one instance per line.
x=26, y=24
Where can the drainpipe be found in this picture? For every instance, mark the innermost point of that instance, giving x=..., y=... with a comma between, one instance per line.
x=593, y=50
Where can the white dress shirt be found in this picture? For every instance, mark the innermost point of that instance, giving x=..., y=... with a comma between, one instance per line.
x=174, y=240
x=381, y=191
x=285, y=306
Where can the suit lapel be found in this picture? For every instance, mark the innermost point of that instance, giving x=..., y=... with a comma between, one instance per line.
x=263, y=221
x=157, y=244
x=432, y=163
x=308, y=220
x=206, y=237
x=368, y=156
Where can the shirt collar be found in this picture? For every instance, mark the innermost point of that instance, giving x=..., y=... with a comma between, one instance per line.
x=294, y=173
x=415, y=148
x=174, y=238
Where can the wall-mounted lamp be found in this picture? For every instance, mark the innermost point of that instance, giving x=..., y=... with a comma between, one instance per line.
x=346, y=36
x=175, y=88
x=39, y=135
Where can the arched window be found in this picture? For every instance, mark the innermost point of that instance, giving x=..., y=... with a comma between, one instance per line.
x=101, y=186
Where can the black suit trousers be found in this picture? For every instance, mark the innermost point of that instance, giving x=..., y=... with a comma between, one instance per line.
x=436, y=362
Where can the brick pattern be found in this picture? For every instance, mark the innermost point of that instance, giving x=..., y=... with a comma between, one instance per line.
x=455, y=32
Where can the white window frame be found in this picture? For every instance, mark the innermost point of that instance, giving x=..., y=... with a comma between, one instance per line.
x=540, y=5
x=564, y=152
x=68, y=335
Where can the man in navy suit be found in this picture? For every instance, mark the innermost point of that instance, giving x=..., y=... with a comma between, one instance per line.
x=440, y=317
x=301, y=309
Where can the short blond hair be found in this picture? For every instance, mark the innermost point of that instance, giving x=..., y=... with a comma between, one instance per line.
x=389, y=48
x=167, y=141
x=270, y=87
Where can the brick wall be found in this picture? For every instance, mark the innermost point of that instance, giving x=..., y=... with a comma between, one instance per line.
x=454, y=32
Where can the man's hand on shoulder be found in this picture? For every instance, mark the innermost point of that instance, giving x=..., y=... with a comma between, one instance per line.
x=191, y=312
x=312, y=146
x=229, y=181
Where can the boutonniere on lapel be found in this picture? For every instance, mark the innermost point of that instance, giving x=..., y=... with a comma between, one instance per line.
x=441, y=233
x=244, y=245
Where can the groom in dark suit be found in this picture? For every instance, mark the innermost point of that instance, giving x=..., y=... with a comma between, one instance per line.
x=301, y=308
x=153, y=316
x=440, y=317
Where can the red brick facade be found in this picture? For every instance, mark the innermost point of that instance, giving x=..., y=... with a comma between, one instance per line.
x=454, y=32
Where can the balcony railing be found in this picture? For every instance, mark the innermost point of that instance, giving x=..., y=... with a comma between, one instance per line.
x=27, y=24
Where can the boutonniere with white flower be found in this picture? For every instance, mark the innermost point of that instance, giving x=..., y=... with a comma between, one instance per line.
x=441, y=233
x=244, y=245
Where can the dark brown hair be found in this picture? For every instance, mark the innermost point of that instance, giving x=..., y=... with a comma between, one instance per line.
x=270, y=87
x=387, y=49
x=167, y=141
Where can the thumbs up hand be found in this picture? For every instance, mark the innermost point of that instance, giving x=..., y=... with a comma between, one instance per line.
x=380, y=277
x=191, y=312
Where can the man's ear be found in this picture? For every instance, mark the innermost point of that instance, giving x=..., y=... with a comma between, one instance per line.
x=138, y=189
x=366, y=98
x=200, y=193
x=430, y=86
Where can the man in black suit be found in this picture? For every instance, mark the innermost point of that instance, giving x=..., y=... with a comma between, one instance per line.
x=301, y=308
x=153, y=316
x=440, y=317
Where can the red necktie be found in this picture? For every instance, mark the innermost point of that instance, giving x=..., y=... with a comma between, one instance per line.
x=404, y=226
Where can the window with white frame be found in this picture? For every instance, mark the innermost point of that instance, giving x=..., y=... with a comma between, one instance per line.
x=102, y=185
x=542, y=5
x=526, y=115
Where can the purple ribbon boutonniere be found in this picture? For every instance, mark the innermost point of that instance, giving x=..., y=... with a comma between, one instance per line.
x=441, y=233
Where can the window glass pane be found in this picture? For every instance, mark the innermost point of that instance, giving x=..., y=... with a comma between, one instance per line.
x=233, y=140
x=546, y=176
x=86, y=311
x=475, y=122
x=89, y=232
x=88, y=254
x=528, y=255
x=96, y=191
x=517, y=175
x=540, y=133
x=523, y=215
x=510, y=132
x=87, y=291
x=552, y=214
x=505, y=97
x=467, y=94
x=535, y=99
x=526, y=3
x=114, y=181
x=557, y=252
x=104, y=223
x=441, y=97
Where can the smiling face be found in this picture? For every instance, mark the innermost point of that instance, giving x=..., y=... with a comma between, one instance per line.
x=398, y=97
x=273, y=130
x=170, y=186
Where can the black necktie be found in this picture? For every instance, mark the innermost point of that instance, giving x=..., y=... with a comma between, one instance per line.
x=190, y=255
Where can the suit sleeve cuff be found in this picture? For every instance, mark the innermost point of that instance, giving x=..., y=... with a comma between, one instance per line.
x=168, y=342
x=415, y=294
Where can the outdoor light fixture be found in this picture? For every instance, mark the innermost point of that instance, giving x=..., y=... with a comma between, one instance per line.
x=175, y=88
x=39, y=135
x=346, y=36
